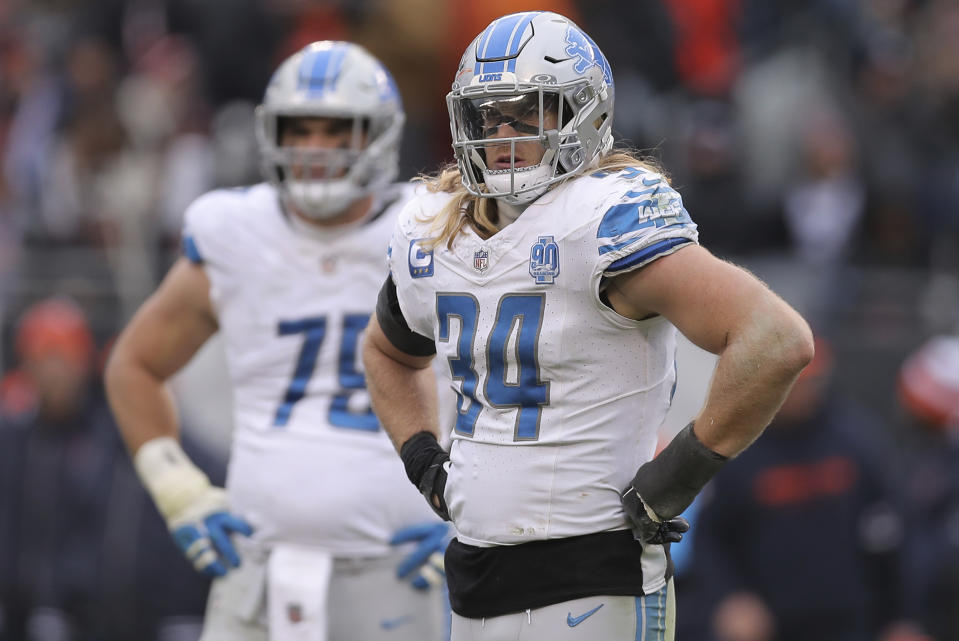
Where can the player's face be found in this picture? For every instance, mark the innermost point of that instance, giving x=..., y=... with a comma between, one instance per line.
x=309, y=133
x=515, y=120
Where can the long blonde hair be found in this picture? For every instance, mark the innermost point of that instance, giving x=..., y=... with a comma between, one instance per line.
x=466, y=210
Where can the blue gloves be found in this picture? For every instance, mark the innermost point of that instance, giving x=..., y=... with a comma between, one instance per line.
x=195, y=511
x=424, y=567
x=202, y=531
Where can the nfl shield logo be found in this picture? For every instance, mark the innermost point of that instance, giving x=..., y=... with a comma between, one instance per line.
x=481, y=260
x=294, y=611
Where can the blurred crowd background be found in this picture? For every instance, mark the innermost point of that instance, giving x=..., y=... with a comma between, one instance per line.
x=814, y=141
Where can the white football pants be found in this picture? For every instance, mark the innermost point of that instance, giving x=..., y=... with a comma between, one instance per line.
x=365, y=602
x=598, y=618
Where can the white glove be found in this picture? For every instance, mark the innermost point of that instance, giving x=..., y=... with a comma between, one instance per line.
x=196, y=512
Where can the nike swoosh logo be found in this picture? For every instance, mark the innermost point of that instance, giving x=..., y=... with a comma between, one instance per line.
x=572, y=621
x=389, y=624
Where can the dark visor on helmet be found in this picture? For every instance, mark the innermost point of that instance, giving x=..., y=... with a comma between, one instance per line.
x=481, y=118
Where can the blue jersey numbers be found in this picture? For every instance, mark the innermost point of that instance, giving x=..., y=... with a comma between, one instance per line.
x=465, y=309
x=313, y=330
x=512, y=367
x=350, y=380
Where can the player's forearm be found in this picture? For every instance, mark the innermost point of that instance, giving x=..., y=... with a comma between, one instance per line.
x=754, y=373
x=403, y=396
x=197, y=513
x=141, y=403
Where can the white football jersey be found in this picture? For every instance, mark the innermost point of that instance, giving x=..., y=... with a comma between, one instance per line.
x=309, y=461
x=560, y=398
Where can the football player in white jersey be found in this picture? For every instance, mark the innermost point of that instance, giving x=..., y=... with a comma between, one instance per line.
x=303, y=541
x=551, y=274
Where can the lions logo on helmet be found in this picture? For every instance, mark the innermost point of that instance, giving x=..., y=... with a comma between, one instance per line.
x=587, y=53
x=331, y=80
x=539, y=73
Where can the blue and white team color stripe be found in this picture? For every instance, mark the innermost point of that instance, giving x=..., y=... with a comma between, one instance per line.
x=191, y=251
x=499, y=45
x=502, y=40
x=657, y=205
x=320, y=69
x=651, y=616
x=322, y=65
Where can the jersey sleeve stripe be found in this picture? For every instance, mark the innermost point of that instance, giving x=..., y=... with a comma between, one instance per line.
x=645, y=255
x=191, y=251
x=605, y=249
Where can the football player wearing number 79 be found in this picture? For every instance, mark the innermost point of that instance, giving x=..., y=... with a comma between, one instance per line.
x=317, y=534
x=551, y=273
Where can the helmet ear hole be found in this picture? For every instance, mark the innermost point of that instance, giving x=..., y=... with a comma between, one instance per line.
x=571, y=158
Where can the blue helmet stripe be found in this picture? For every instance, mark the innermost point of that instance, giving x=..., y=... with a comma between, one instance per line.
x=517, y=37
x=483, y=49
x=481, y=44
x=336, y=63
x=502, y=39
x=312, y=74
x=320, y=69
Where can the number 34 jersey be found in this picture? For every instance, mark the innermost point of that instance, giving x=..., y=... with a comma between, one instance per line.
x=309, y=461
x=559, y=397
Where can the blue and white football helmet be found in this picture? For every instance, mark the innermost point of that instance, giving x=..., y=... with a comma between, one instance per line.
x=521, y=68
x=332, y=80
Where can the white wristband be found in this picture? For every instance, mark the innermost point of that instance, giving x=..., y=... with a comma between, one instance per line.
x=169, y=475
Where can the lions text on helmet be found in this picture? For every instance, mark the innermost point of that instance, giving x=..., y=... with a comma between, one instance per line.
x=531, y=105
x=329, y=129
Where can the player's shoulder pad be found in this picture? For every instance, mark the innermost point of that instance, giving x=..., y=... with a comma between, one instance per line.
x=212, y=220
x=638, y=216
x=393, y=198
x=405, y=191
x=420, y=211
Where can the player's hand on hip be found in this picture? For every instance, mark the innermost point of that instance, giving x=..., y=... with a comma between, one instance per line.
x=196, y=512
x=424, y=566
x=648, y=528
x=427, y=466
x=203, y=531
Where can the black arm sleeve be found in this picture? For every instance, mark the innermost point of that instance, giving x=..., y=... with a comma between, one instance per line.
x=390, y=317
x=670, y=482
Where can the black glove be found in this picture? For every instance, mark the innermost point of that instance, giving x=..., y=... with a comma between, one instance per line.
x=433, y=485
x=665, y=486
x=425, y=462
x=645, y=529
